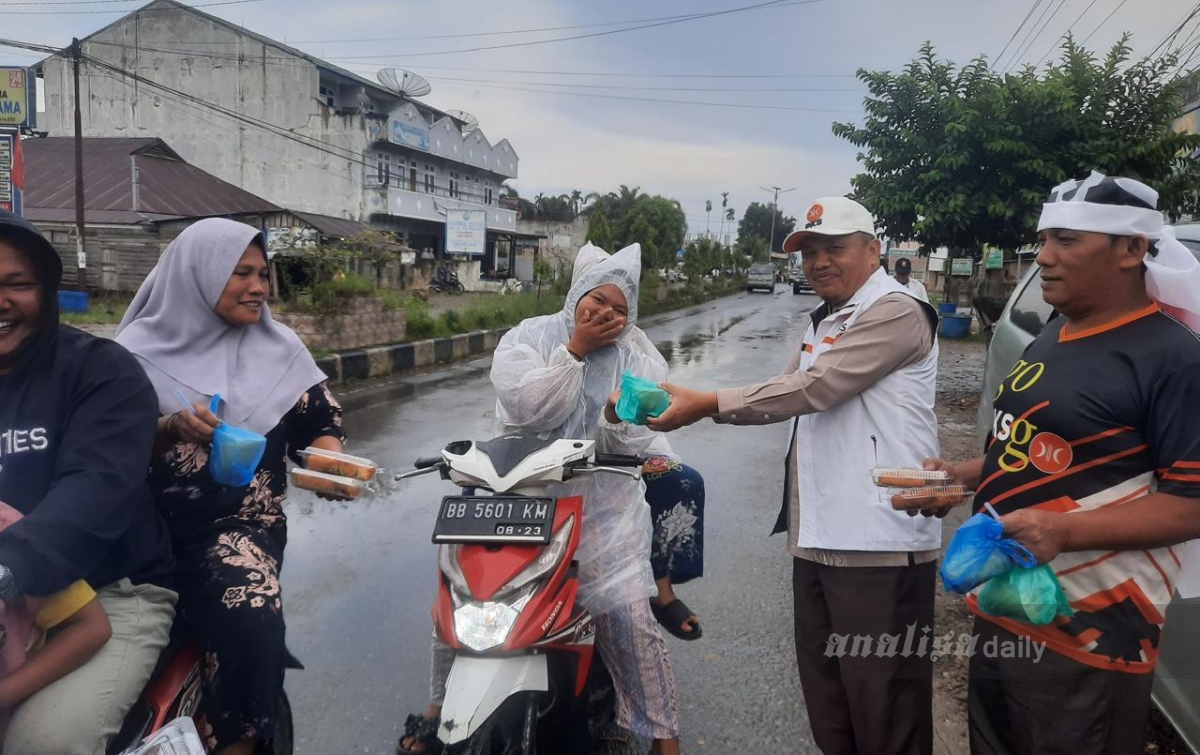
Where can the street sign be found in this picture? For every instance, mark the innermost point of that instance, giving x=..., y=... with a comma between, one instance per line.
x=12, y=178
x=995, y=259
x=466, y=232
x=961, y=266
x=17, y=98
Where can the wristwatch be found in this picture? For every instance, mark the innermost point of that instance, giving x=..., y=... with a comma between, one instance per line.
x=8, y=586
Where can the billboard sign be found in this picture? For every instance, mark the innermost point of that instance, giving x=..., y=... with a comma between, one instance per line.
x=12, y=174
x=417, y=138
x=17, y=99
x=962, y=266
x=466, y=232
x=995, y=259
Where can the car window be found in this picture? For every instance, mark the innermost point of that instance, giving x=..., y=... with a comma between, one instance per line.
x=1030, y=312
x=760, y=270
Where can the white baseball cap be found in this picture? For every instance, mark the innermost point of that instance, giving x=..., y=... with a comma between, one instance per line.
x=831, y=216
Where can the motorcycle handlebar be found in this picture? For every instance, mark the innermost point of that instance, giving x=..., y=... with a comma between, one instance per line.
x=427, y=462
x=619, y=460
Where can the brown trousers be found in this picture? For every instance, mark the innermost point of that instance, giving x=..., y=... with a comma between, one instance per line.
x=860, y=701
x=1051, y=705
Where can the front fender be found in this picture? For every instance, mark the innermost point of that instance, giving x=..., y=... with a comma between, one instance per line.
x=478, y=686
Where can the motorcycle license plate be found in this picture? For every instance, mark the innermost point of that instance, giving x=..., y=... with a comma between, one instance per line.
x=494, y=520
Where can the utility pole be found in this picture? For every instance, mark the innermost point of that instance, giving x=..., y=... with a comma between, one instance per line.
x=80, y=254
x=774, y=209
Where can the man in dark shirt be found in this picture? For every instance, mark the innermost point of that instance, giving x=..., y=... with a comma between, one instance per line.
x=1094, y=467
x=77, y=423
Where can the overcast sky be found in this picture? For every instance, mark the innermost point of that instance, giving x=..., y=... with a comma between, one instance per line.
x=596, y=132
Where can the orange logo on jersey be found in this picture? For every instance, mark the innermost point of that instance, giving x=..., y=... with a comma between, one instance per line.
x=815, y=212
x=1050, y=453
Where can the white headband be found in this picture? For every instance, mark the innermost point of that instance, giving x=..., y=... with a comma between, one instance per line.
x=1172, y=272
x=1119, y=220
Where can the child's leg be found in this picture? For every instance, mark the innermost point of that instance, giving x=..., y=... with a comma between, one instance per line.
x=636, y=656
x=441, y=658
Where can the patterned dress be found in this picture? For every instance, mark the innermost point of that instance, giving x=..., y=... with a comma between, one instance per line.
x=675, y=493
x=228, y=551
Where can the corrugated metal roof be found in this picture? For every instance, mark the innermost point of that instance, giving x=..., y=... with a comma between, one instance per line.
x=166, y=186
x=339, y=228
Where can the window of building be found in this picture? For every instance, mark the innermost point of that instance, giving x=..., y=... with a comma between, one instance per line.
x=487, y=195
x=326, y=92
x=430, y=173
x=453, y=184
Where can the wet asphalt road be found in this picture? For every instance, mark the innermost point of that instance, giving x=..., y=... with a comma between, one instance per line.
x=360, y=578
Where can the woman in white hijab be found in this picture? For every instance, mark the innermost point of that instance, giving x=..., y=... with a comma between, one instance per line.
x=200, y=326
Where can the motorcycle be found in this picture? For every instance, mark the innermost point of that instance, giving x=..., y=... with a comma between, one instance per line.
x=173, y=694
x=445, y=281
x=526, y=677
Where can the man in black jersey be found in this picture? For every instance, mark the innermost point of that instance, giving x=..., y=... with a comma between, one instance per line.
x=1093, y=461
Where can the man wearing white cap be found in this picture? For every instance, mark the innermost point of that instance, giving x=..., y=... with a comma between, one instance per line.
x=1094, y=465
x=860, y=391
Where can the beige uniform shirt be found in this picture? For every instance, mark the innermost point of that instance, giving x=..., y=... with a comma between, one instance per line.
x=890, y=335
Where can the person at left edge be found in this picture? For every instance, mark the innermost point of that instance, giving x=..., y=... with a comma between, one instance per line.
x=77, y=423
x=200, y=326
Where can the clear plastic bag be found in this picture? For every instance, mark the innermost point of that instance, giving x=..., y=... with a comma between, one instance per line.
x=178, y=737
x=340, y=465
x=640, y=399
x=1033, y=596
x=235, y=452
x=979, y=551
x=901, y=477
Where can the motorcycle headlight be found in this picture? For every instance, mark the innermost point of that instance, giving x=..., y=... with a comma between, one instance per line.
x=483, y=626
x=550, y=557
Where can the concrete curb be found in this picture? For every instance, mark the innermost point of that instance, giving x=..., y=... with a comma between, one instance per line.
x=382, y=361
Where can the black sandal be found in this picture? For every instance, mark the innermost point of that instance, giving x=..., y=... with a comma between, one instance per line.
x=424, y=730
x=672, y=616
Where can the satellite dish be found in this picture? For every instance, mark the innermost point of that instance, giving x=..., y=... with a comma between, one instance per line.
x=404, y=83
x=470, y=122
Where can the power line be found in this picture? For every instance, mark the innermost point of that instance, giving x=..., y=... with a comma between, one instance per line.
x=291, y=59
x=119, y=10
x=1040, y=31
x=1017, y=55
x=1166, y=41
x=197, y=112
x=624, y=87
x=1017, y=31
x=684, y=19
x=1067, y=34
x=1120, y=5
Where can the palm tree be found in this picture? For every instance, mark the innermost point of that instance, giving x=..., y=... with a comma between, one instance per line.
x=576, y=199
x=627, y=198
x=724, y=211
x=729, y=215
x=708, y=217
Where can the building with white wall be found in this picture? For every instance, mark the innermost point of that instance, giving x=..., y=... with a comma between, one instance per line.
x=283, y=125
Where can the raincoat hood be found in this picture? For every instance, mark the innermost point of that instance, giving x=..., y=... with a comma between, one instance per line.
x=595, y=268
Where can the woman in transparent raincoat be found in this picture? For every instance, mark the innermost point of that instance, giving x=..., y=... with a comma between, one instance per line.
x=557, y=376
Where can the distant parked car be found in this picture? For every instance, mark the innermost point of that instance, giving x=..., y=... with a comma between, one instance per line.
x=800, y=284
x=1177, y=678
x=761, y=277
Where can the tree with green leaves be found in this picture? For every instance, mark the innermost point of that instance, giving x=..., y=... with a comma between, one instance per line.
x=756, y=222
x=598, y=231
x=964, y=157
x=658, y=224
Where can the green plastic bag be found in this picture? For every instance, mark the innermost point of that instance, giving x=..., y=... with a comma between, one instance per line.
x=640, y=400
x=1033, y=596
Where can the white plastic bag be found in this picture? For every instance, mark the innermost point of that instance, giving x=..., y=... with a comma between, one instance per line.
x=178, y=737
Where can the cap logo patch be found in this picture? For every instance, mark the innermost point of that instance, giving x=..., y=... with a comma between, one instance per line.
x=814, y=213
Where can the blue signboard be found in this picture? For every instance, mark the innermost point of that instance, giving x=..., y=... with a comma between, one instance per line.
x=417, y=138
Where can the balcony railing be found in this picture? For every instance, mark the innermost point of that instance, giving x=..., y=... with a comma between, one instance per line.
x=460, y=190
